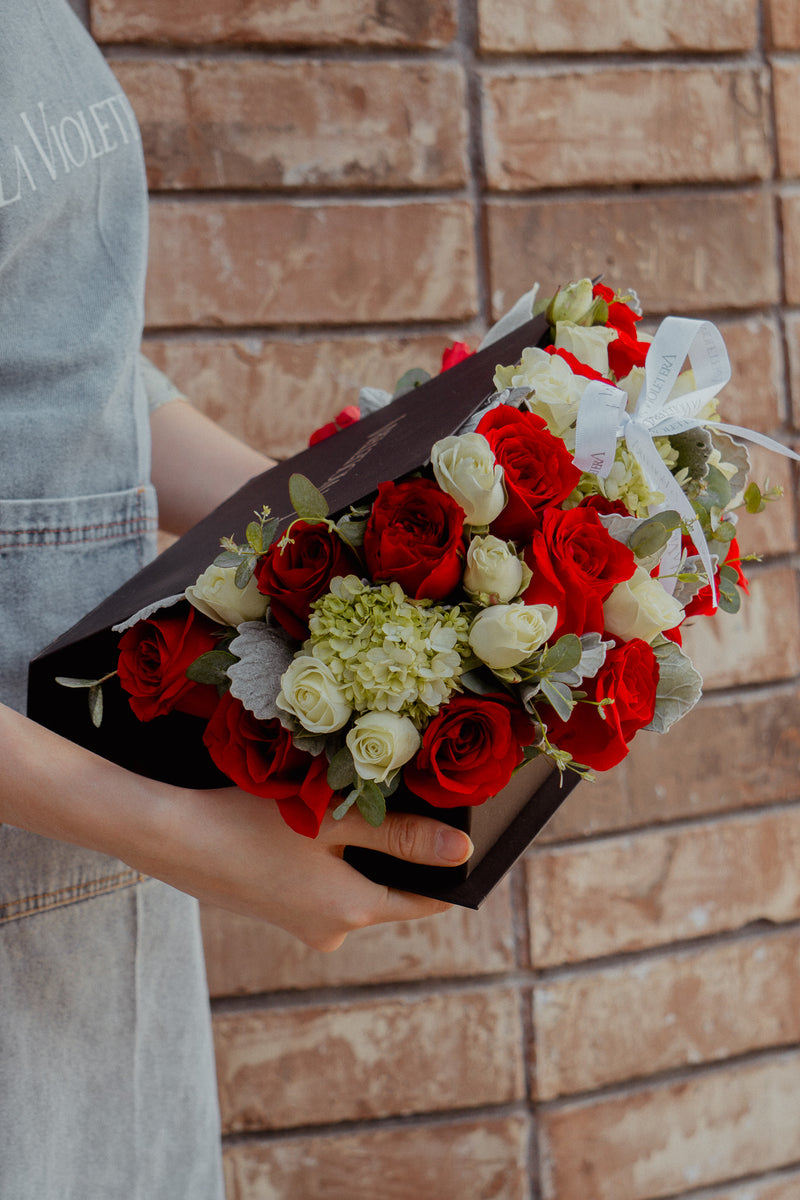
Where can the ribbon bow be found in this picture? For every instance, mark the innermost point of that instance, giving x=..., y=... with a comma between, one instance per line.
x=602, y=418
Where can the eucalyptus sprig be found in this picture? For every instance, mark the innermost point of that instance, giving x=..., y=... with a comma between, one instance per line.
x=260, y=534
x=94, y=696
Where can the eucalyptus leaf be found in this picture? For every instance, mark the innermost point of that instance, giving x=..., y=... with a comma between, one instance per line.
x=729, y=602
x=68, y=682
x=307, y=500
x=268, y=532
x=244, y=573
x=341, y=770
x=351, y=530
x=255, y=537
x=650, y=539
x=228, y=558
x=212, y=667
x=343, y=809
x=560, y=696
x=371, y=803
x=563, y=655
x=96, y=705
x=753, y=498
x=409, y=380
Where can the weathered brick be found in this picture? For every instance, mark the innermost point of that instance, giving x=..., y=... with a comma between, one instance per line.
x=294, y=23
x=759, y=643
x=791, y=246
x=786, y=89
x=448, y=1161
x=728, y=753
x=244, y=955
x=661, y=1141
x=648, y=889
x=273, y=392
x=682, y=253
x=706, y=124
x=784, y=1187
x=783, y=24
x=631, y=1020
x=254, y=263
x=280, y=1068
x=793, y=349
x=517, y=26
x=243, y=123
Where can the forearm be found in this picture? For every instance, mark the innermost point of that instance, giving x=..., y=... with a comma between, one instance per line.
x=196, y=464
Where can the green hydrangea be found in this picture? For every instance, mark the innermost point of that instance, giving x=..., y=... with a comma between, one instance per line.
x=387, y=652
x=626, y=480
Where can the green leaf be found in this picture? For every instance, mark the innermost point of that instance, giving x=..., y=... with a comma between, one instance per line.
x=563, y=655
x=244, y=573
x=342, y=809
x=228, y=558
x=341, y=770
x=96, y=705
x=307, y=500
x=409, y=380
x=559, y=696
x=653, y=534
x=212, y=668
x=371, y=803
x=255, y=538
x=66, y=681
x=351, y=530
x=268, y=532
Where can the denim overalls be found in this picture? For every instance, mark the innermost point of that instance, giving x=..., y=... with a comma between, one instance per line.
x=106, y=1062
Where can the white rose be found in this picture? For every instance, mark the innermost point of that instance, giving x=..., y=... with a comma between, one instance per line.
x=640, y=608
x=555, y=389
x=574, y=302
x=589, y=343
x=216, y=595
x=465, y=468
x=381, y=742
x=493, y=569
x=506, y=634
x=309, y=691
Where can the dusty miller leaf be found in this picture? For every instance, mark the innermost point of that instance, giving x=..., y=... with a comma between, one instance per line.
x=679, y=686
x=371, y=803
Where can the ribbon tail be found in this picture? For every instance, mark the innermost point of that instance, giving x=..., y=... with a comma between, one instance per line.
x=750, y=435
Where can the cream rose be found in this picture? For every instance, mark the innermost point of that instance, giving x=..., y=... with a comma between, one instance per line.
x=465, y=468
x=555, y=389
x=573, y=302
x=381, y=742
x=506, y=634
x=640, y=608
x=216, y=595
x=310, y=692
x=589, y=343
x=494, y=570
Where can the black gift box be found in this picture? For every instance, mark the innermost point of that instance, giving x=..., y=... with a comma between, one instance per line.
x=346, y=468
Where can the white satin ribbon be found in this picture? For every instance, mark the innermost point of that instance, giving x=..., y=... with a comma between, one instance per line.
x=602, y=418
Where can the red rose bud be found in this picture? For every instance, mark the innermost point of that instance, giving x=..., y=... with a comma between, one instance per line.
x=539, y=471
x=413, y=537
x=348, y=416
x=575, y=564
x=260, y=758
x=153, y=658
x=469, y=751
x=296, y=573
x=629, y=678
x=455, y=354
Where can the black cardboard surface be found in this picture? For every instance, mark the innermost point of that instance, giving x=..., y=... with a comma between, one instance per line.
x=347, y=468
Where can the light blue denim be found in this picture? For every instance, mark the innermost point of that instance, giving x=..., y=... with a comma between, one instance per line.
x=107, y=1086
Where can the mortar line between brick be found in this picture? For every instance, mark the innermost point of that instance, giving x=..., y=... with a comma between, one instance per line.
x=391, y=1124
x=712, y=1191
x=641, y=1084
x=466, y=48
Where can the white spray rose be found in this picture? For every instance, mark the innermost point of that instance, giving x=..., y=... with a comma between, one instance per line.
x=506, y=634
x=381, y=742
x=640, y=608
x=216, y=595
x=493, y=569
x=589, y=344
x=555, y=389
x=310, y=692
x=465, y=468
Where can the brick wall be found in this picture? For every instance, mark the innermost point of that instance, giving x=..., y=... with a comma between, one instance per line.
x=339, y=188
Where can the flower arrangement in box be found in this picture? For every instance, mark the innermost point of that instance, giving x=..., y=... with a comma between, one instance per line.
x=521, y=594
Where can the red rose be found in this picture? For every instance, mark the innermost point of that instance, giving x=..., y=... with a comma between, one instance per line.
x=413, y=537
x=153, y=658
x=629, y=677
x=576, y=564
x=455, y=354
x=296, y=573
x=625, y=353
x=469, y=751
x=348, y=416
x=260, y=758
x=538, y=468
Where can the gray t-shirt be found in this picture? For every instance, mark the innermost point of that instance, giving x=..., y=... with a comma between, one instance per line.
x=73, y=251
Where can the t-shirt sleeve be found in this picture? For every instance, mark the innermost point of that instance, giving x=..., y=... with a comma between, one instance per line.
x=158, y=387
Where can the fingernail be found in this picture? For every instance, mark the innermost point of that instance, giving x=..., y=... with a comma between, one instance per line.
x=452, y=845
